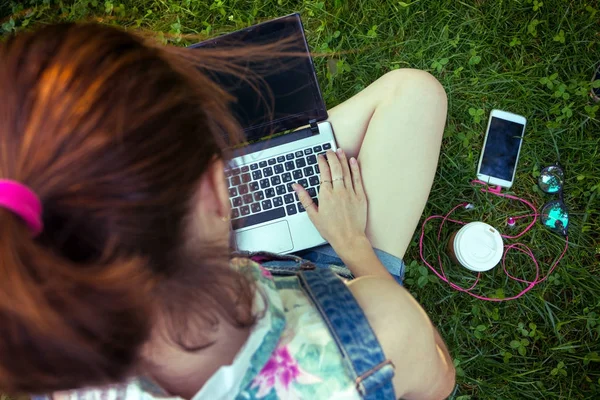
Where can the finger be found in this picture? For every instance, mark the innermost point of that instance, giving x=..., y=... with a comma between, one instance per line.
x=345, y=169
x=357, y=179
x=307, y=201
x=324, y=169
x=337, y=177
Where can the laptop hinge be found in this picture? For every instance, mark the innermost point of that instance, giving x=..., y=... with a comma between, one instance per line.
x=314, y=128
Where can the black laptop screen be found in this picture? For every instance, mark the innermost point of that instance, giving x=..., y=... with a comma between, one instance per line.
x=288, y=94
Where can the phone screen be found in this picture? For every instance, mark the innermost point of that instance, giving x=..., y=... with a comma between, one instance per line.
x=501, y=149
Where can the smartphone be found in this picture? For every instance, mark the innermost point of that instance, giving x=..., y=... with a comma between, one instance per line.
x=501, y=148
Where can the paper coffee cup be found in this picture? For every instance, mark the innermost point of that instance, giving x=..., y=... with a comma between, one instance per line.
x=477, y=246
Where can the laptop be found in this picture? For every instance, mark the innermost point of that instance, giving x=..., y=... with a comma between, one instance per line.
x=282, y=145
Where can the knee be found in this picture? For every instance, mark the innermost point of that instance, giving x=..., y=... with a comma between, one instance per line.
x=406, y=81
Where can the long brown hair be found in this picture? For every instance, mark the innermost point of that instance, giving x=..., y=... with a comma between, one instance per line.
x=113, y=134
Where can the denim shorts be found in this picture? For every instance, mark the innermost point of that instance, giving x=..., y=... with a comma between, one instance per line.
x=325, y=257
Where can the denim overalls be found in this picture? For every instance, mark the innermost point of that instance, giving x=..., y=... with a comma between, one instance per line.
x=360, y=349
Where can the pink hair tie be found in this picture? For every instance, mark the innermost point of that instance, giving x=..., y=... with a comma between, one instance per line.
x=22, y=201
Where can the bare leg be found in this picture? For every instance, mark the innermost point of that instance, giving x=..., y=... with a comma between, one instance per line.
x=394, y=127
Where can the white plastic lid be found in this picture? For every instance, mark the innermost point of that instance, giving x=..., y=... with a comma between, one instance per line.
x=478, y=246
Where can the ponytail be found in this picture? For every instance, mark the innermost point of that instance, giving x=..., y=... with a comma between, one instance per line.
x=63, y=324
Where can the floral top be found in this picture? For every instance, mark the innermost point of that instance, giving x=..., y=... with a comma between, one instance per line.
x=290, y=354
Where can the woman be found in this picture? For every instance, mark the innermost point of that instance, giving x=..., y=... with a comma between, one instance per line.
x=115, y=261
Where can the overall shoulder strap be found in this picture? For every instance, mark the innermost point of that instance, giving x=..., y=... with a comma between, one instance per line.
x=348, y=325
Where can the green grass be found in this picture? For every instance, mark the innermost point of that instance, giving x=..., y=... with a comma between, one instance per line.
x=531, y=57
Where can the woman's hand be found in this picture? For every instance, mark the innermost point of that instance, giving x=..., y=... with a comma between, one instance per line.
x=341, y=213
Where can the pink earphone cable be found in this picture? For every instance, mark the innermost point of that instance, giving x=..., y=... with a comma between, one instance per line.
x=516, y=246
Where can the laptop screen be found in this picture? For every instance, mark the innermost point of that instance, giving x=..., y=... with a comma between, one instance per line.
x=288, y=94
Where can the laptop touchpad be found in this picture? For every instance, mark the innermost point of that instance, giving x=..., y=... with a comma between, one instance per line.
x=274, y=237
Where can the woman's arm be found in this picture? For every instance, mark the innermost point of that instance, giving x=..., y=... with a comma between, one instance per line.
x=361, y=260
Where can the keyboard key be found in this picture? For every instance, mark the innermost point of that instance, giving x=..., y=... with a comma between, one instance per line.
x=296, y=197
x=287, y=177
x=326, y=146
x=235, y=180
x=318, y=149
x=322, y=154
x=291, y=209
x=235, y=171
x=256, y=175
x=297, y=174
x=245, y=168
x=312, y=159
x=272, y=161
x=243, y=189
x=277, y=202
x=254, y=166
x=307, y=151
x=235, y=212
x=300, y=207
x=255, y=207
x=228, y=173
x=264, y=183
x=289, y=165
x=289, y=187
x=318, y=188
x=280, y=159
x=289, y=156
x=262, y=164
x=266, y=204
x=281, y=189
x=258, y=218
x=278, y=169
x=275, y=180
x=253, y=186
x=270, y=192
x=313, y=180
x=237, y=201
x=288, y=198
x=245, y=210
x=300, y=162
x=299, y=153
x=246, y=178
x=248, y=198
x=308, y=171
x=316, y=201
x=260, y=195
x=303, y=183
x=233, y=192
x=267, y=171
x=312, y=192
x=317, y=169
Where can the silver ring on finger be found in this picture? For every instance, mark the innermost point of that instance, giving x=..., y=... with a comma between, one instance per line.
x=322, y=182
x=308, y=205
x=337, y=179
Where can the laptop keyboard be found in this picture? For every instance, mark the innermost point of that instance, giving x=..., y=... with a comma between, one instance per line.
x=262, y=191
